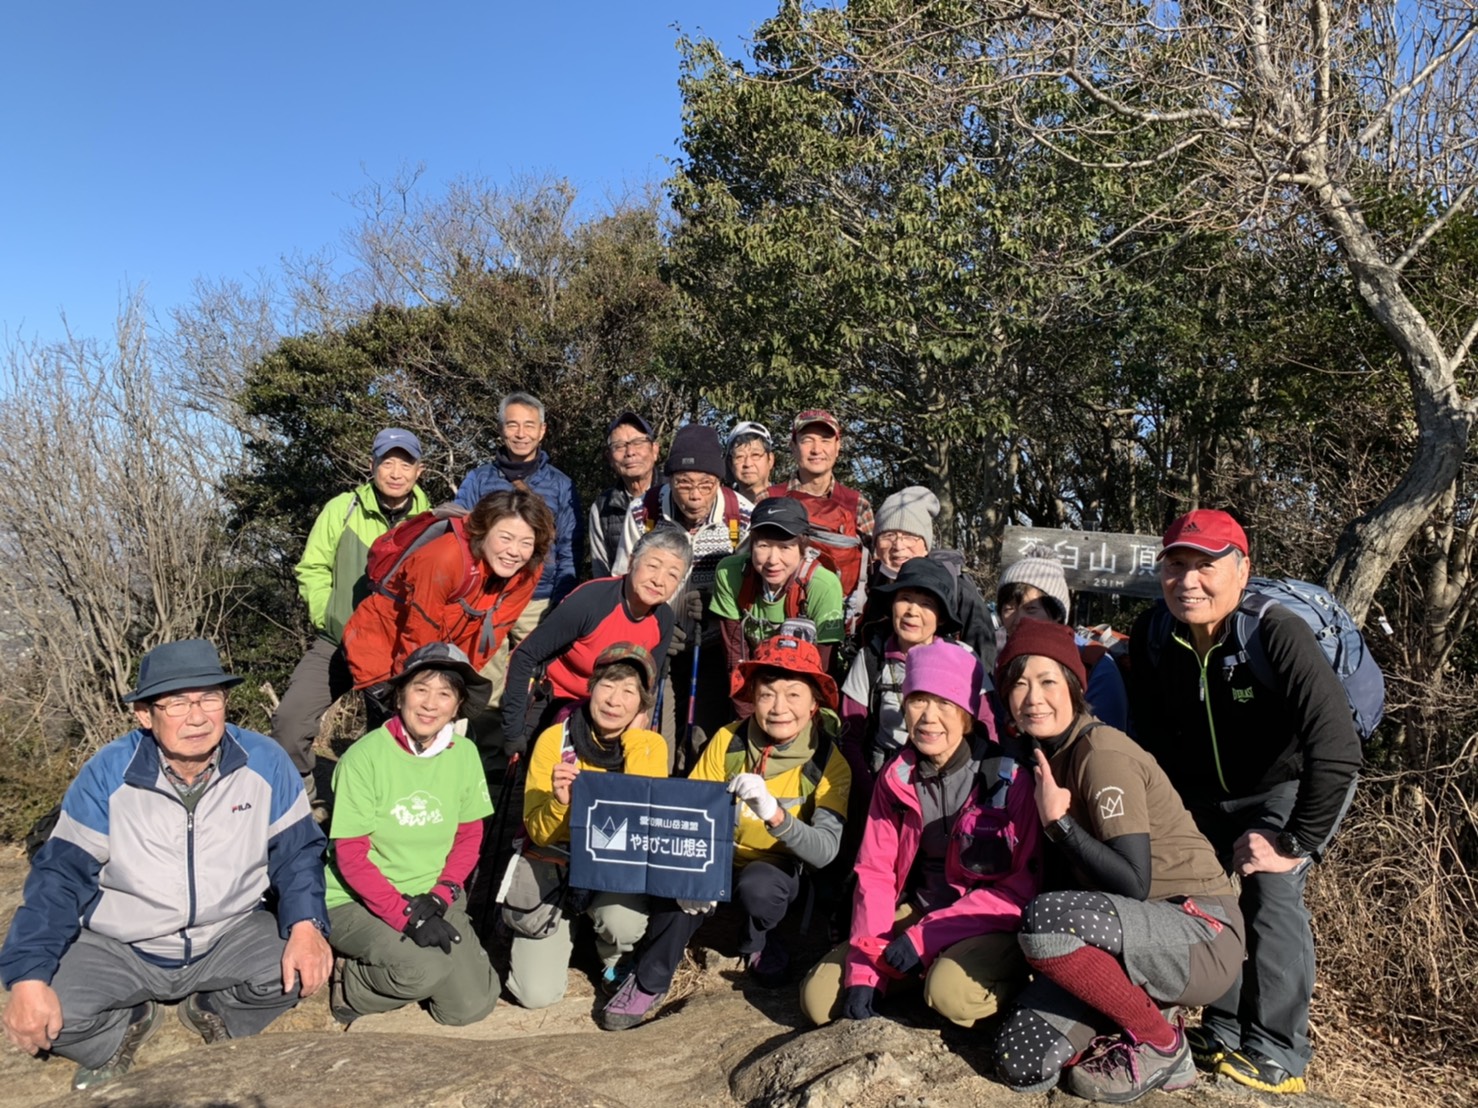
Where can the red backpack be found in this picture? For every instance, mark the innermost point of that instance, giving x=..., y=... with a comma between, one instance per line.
x=833, y=526
x=389, y=552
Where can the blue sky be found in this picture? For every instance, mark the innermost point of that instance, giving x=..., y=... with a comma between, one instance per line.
x=154, y=142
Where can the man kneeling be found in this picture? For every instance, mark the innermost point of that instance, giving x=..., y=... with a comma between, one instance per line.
x=150, y=887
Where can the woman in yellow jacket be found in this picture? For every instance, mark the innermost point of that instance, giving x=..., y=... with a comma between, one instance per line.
x=606, y=734
x=791, y=784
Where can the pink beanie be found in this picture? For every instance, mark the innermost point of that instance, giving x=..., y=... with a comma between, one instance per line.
x=949, y=671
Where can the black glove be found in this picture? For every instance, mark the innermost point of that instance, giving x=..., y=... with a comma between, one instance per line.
x=420, y=908
x=901, y=955
x=693, y=606
x=515, y=744
x=678, y=640
x=858, y=1001
x=433, y=931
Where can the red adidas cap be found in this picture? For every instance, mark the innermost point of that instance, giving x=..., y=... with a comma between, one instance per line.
x=1206, y=530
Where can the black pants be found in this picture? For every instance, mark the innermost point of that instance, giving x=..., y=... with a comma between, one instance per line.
x=762, y=892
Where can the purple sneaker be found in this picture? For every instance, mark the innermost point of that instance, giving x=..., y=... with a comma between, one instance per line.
x=629, y=1007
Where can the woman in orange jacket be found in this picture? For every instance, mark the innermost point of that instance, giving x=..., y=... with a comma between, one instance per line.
x=467, y=586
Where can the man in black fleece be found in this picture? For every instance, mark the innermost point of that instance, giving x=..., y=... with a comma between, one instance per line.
x=1267, y=772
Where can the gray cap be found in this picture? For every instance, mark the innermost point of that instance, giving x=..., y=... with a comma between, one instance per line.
x=442, y=655
x=395, y=438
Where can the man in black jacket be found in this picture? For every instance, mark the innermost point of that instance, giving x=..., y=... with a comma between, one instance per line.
x=632, y=451
x=1267, y=772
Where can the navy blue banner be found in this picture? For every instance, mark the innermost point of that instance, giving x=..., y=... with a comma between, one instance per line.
x=662, y=836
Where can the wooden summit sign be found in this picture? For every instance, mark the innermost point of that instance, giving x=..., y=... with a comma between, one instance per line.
x=1093, y=561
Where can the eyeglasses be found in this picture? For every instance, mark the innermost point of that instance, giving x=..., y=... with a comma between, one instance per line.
x=707, y=484
x=627, y=446
x=178, y=706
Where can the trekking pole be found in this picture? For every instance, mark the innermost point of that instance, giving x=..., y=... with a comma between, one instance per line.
x=493, y=847
x=692, y=697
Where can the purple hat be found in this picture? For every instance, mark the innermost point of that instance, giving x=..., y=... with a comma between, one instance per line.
x=949, y=671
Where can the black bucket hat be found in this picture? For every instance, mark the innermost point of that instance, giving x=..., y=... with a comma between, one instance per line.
x=931, y=577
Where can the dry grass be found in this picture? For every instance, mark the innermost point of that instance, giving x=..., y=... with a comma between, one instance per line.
x=1396, y=917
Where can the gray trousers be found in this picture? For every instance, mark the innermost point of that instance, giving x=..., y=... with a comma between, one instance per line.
x=538, y=968
x=319, y=680
x=1267, y=1007
x=101, y=979
x=386, y=971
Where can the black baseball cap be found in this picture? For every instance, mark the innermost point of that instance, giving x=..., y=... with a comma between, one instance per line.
x=782, y=514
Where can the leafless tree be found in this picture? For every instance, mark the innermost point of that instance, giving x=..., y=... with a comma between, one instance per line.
x=109, y=518
x=1288, y=118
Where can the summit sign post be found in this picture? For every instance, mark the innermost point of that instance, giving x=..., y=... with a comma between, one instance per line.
x=1092, y=561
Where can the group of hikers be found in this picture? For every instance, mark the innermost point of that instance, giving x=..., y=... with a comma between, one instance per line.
x=971, y=796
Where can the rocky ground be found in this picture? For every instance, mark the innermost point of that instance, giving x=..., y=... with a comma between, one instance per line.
x=723, y=1043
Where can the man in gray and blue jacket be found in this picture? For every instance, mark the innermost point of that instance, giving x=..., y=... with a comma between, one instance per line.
x=151, y=887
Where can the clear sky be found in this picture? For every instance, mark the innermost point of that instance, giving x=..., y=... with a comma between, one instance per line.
x=149, y=143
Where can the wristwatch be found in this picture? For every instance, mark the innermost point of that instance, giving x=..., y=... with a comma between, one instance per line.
x=1287, y=844
x=1058, y=829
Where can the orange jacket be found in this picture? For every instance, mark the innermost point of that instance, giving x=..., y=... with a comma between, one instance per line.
x=381, y=632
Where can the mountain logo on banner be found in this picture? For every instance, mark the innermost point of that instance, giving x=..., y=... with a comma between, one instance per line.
x=609, y=837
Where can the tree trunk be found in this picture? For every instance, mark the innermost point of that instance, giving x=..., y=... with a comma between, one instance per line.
x=1371, y=543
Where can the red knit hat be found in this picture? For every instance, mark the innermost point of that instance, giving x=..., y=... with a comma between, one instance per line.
x=794, y=656
x=1046, y=640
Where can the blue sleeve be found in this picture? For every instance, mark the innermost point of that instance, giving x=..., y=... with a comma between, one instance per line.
x=567, y=541
x=470, y=491
x=1107, y=696
x=295, y=843
x=63, y=882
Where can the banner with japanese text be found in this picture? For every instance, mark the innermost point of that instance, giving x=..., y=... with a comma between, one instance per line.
x=662, y=836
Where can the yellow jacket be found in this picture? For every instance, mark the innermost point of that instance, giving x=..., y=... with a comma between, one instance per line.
x=753, y=840
x=547, y=820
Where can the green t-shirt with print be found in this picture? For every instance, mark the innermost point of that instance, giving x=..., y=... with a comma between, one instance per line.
x=823, y=605
x=409, y=807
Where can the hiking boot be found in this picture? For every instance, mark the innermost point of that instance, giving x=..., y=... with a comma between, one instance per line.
x=1121, y=1070
x=144, y=1023
x=200, y=1019
x=769, y=966
x=1256, y=1070
x=629, y=1007
x=338, y=1003
x=1207, y=1049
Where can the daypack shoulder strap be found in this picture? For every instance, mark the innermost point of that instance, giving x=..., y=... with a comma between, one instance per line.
x=732, y=516
x=651, y=506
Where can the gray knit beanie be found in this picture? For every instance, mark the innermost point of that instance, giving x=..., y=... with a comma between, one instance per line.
x=913, y=510
x=1041, y=568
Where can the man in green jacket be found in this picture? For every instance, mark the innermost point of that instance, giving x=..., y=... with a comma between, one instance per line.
x=332, y=582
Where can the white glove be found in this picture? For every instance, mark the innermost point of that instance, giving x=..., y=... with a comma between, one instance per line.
x=750, y=788
x=696, y=907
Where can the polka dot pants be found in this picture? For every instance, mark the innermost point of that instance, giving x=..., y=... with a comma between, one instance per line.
x=1050, y=1025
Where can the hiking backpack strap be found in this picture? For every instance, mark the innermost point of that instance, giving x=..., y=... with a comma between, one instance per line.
x=651, y=506
x=732, y=516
